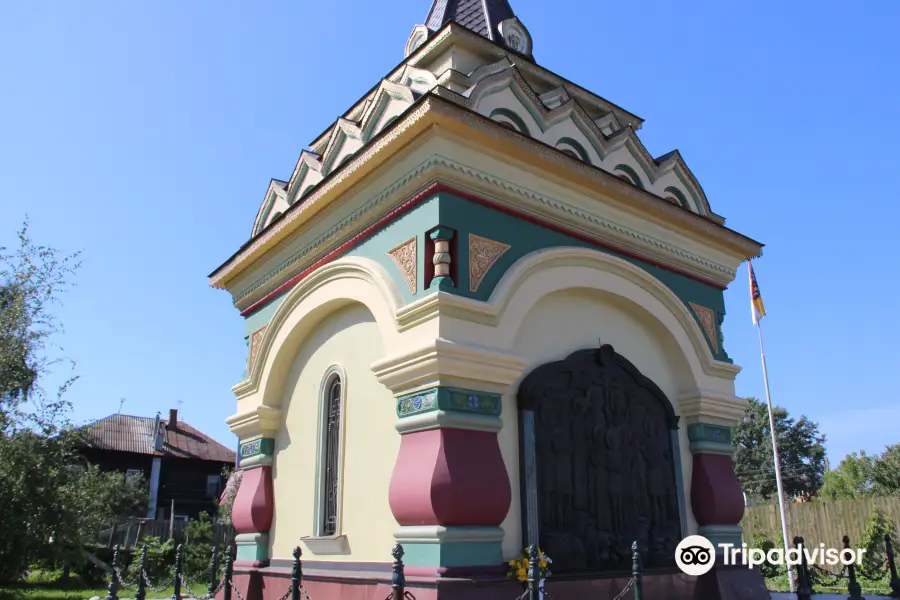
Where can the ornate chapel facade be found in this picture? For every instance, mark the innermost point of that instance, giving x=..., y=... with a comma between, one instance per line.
x=479, y=315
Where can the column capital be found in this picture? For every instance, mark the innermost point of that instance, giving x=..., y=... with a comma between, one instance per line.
x=711, y=407
x=442, y=363
x=262, y=421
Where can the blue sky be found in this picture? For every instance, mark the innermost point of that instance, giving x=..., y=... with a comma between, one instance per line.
x=145, y=134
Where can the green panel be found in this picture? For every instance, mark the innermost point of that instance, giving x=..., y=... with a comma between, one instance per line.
x=257, y=551
x=704, y=432
x=453, y=554
x=259, y=446
x=525, y=237
x=449, y=399
x=262, y=317
x=414, y=223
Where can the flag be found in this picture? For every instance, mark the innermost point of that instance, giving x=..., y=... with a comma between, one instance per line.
x=758, y=311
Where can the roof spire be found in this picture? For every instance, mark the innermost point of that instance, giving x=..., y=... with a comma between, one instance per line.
x=493, y=19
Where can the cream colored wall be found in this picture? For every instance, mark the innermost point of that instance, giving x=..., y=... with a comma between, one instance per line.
x=350, y=338
x=569, y=320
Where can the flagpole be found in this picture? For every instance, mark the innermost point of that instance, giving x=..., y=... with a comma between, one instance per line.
x=784, y=527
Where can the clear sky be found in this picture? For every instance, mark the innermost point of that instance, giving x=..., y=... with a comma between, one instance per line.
x=145, y=133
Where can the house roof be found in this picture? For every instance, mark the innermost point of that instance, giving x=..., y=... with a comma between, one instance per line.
x=480, y=16
x=127, y=433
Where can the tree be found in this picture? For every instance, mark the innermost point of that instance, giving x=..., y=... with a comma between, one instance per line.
x=886, y=471
x=800, y=446
x=852, y=479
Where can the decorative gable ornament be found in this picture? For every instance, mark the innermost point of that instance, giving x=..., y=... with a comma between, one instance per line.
x=515, y=36
x=418, y=37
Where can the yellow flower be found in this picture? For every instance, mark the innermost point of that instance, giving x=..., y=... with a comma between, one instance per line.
x=512, y=563
x=522, y=574
x=543, y=564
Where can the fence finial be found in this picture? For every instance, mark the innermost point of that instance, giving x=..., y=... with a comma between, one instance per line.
x=398, y=579
x=804, y=587
x=296, y=574
x=112, y=592
x=852, y=585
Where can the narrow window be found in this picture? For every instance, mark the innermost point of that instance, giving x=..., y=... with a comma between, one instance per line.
x=331, y=457
x=212, y=486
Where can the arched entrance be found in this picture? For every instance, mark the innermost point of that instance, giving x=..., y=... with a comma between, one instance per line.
x=600, y=465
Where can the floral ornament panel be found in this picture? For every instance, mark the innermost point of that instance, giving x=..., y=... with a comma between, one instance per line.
x=708, y=321
x=405, y=257
x=255, y=344
x=483, y=254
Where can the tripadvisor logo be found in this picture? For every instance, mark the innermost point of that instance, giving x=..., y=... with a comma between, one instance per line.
x=696, y=555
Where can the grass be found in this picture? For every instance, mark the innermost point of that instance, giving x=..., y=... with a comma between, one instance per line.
x=46, y=591
x=881, y=587
x=43, y=585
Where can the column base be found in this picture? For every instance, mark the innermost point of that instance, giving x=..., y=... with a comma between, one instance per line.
x=722, y=534
x=252, y=549
x=438, y=546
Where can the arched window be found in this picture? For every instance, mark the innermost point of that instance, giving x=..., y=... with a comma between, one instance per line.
x=330, y=456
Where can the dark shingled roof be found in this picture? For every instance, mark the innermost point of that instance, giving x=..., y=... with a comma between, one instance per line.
x=481, y=16
x=125, y=433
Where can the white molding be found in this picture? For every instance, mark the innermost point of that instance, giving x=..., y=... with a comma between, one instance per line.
x=439, y=419
x=707, y=406
x=381, y=289
x=439, y=533
x=441, y=362
x=261, y=421
x=328, y=545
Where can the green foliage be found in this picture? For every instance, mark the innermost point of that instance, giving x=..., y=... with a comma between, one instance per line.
x=767, y=569
x=801, y=449
x=886, y=471
x=852, y=479
x=198, y=540
x=864, y=476
x=160, y=562
x=873, y=563
x=223, y=509
x=50, y=502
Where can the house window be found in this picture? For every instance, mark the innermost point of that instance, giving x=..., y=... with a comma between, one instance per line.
x=132, y=475
x=330, y=455
x=212, y=486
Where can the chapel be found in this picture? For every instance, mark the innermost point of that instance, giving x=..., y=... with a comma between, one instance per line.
x=479, y=315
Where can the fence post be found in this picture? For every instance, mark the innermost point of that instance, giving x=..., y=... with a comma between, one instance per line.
x=852, y=585
x=296, y=574
x=892, y=565
x=229, y=573
x=213, y=571
x=176, y=595
x=398, y=580
x=804, y=592
x=112, y=592
x=636, y=570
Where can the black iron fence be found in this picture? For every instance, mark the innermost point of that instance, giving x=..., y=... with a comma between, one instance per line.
x=223, y=580
x=808, y=577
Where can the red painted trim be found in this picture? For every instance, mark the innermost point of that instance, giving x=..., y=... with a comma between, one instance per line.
x=441, y=187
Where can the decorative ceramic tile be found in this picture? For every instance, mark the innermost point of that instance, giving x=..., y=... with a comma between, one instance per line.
x=483, y=253
x=708, y=321
x=405, y=257
x=255, y=344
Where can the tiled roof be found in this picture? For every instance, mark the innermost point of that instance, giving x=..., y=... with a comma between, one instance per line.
x=481, y=16
x=126, y=433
